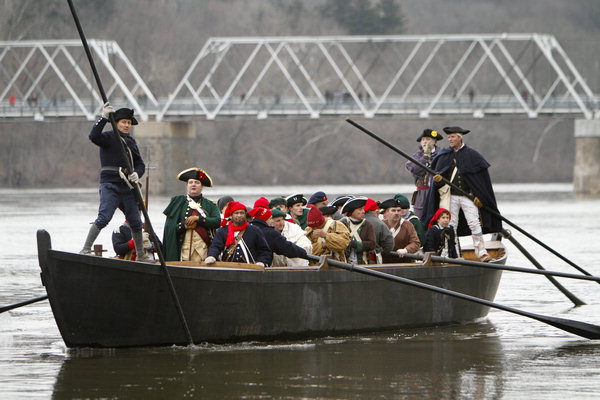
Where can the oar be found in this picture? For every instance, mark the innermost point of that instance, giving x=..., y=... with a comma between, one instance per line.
x=469, y=263
x=487, y=208
x=577, y=301
x=582, y=329
x=136, y=190
x=21, y=304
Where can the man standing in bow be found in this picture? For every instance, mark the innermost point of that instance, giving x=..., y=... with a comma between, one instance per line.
x=467, y=170
x=191, y=219
x=116, y=188
x=239, y=241
x=427, y=151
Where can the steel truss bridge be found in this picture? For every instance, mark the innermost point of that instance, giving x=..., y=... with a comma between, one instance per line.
x=261, y=77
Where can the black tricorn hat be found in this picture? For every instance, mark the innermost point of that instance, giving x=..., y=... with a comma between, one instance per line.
x=455, y=129
x=328, y=210
x=340, y=201
x=389, y=203
x=296, y=198
x=125, y=113
x=352, y=204
x=195, y=173
x=430, y=134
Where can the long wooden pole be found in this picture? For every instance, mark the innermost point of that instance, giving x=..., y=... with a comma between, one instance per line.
x=22, y=303
x=582, y=329
x=136, y=189
x=487, y=208
x=576, y=300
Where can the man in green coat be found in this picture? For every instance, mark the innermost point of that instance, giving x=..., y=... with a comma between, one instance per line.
x=191, y=220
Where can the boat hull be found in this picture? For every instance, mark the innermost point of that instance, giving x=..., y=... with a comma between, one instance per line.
x=104, y=302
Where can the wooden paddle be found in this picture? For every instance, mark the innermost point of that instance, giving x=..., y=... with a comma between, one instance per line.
x=136, y=188
x=582, y=329
x=469, y=263
x=22, y=303
x=487, y=208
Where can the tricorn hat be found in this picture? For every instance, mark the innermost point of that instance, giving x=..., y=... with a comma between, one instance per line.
x=455, y=129
x=430, y=134
x=296, y=198
x=340, y=201
x=328, y=210
x=195, y=173
x=125, y=113
x=352, y=204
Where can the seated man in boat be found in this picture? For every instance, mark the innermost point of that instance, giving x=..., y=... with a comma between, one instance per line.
x=383, y=236
x=440, y=235
x=362, y=233
x=281, y=204
x=293, y=233
x=328, y=237
x=279, y=245
x=124, y=245
x=296, y=203
x=467, y=170
x=410, y=216
x=117, y=188
x=405, y=236
x=239, y=241
x=191, y=219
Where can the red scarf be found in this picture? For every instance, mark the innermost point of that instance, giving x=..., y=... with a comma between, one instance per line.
x=231, y=228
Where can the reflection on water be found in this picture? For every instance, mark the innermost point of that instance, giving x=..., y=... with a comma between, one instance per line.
x=434, y=364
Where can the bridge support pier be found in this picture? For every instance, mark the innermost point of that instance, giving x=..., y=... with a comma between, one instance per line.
x=586, y=172
x=167, y=149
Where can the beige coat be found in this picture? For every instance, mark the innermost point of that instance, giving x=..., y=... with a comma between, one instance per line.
x=334, y=244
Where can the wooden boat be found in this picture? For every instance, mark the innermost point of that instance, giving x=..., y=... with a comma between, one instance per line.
x=107, y=302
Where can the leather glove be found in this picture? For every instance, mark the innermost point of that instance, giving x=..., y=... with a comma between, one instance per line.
x=146, y=240
x=402, y=252
x=210, y=260
x=133, y=177
x=477, y=202
x=260, y=263
x=106, y=110
x=437, y=178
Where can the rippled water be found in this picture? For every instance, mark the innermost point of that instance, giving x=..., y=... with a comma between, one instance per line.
x=505, y=356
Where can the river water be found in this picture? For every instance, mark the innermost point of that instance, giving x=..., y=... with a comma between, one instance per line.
x=506, y=356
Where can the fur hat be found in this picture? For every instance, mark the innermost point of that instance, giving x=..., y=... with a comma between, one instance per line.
x=125, y=113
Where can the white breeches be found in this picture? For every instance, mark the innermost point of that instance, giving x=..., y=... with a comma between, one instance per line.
x=469, y=209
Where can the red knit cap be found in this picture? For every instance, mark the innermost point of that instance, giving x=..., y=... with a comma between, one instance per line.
x=261, y=202
x=315, y=218
x=232, y=207
x=260, y=213
x=371, y=205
